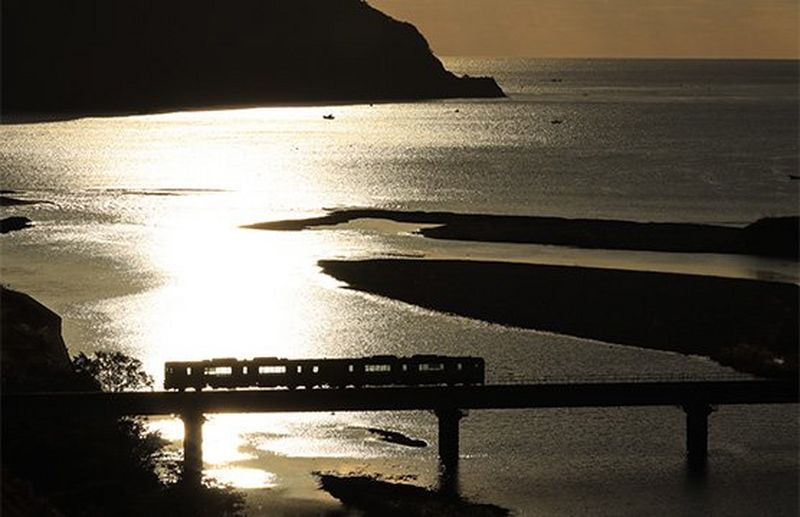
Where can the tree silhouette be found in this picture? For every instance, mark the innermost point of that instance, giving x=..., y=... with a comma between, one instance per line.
x=114, y=371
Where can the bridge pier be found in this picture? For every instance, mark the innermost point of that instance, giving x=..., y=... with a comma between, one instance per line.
x=449, y=419
x=192, y=447
x=697, y=434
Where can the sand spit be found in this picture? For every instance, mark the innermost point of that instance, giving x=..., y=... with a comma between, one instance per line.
x=769, y=237
x=747, y=324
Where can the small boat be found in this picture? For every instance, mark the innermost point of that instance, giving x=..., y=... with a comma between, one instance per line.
x=329, y=116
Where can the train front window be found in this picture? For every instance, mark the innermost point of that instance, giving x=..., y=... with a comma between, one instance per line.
x=218, y=370
x=267, y=370
x=378, y=368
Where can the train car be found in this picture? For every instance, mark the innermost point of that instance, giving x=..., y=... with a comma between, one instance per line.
x=216, y=373
x=274, y=372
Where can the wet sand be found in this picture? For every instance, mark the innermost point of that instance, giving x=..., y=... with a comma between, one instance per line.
x=747, y=324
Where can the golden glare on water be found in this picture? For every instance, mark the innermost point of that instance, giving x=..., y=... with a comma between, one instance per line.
x=222, y=290
x=239, y=294
x=244, y=477
x=234, y=443
x=223, y=441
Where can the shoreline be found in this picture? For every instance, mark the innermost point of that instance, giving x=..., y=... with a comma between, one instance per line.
x=45, y=118
x=749, y=325
x=768, y=237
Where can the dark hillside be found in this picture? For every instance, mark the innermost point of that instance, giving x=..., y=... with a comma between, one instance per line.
x=101, y=56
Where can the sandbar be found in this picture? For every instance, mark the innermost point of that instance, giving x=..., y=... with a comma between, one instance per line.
x=768, y=237
x=749, y=325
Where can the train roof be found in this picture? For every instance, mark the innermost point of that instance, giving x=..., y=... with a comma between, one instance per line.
x=383, y=357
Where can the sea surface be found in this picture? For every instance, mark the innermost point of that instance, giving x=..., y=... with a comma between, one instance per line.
x=138, y=244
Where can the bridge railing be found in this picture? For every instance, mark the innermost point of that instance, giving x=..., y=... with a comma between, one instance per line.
x=628, y=378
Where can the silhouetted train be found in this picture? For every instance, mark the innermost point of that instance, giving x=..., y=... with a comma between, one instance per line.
x=271, y=372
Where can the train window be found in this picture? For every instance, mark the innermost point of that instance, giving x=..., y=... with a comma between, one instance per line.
x=244, y=370
x=431, y=367
x=378, y=368
x=271, y=369
x=299, y=369
x=459, y=366
x=315, y=369
x=405, y=367
x=218, y=370
x=188, y=370
x=349, y=367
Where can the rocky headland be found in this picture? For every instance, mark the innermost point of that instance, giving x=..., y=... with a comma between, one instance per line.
x=65, y=59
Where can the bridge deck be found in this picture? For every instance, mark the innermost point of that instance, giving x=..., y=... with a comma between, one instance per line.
x=614, y=394
x=696, y=398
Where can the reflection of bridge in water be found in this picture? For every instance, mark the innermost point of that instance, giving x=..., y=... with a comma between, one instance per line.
x=697, y=398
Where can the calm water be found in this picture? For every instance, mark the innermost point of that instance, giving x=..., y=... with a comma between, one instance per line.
x=139, y=249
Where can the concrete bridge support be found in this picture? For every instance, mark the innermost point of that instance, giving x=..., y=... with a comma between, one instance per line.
x=193, y=446
x=697, y=434
x=449, y=419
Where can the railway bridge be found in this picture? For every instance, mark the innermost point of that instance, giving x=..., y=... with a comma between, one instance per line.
x=697, y=398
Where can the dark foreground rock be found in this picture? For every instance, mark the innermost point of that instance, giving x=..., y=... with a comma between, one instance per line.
x=62, y=59
x=747, y=324
x=770, y=237
x=376, y=498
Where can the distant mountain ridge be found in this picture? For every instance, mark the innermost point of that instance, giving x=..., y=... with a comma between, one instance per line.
x=109, y=56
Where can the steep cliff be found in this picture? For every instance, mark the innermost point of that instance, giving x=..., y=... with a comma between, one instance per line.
x=100, y=56
x=32, y=352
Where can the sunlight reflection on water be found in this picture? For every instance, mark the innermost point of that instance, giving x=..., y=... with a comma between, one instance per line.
x=235, y=445
x=243, y=477
x=141, y=250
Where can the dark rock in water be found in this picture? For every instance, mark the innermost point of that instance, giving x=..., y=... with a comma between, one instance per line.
x=96, y=56
x=10, y=224
x=382, y=498
x=398, y=438
x=34, y=356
